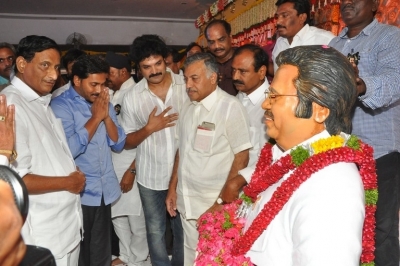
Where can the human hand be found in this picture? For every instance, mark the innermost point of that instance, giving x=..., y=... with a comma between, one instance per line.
x=170, y=202
x=100, y=106
x=12, y=246
x=127, y=181
x=361, y=87
x=161, y=121
x=76, y=181
x=7, y=127
x=230, y=191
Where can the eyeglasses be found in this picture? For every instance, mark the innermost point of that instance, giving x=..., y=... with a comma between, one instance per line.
x=271, y=96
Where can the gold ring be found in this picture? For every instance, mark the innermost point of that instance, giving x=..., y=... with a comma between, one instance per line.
x=2, y=118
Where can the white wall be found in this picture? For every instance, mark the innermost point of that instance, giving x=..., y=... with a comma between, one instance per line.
x=97, y=30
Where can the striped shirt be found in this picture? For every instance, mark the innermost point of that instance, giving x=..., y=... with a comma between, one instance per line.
x=377, y=114
x=155, y=155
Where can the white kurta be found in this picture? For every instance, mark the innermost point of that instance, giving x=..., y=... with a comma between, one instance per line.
x=55, y=219
x=321, y=224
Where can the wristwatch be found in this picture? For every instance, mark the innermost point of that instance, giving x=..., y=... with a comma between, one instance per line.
x=13, y=154
x=133, y=171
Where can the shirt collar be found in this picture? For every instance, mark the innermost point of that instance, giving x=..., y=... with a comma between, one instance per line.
x=303, y=32
x=257, y=94
x=29, y=94
x=209, y=101
x=366, y=31
x=127, y=84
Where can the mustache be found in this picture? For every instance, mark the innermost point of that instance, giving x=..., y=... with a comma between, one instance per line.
x=346, y=6
x=278, y=26
x=219, y=50
x=239, y=82
x=269, y=114
x=155, y=74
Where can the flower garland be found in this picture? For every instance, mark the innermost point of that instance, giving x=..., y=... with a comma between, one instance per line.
x=304, y=161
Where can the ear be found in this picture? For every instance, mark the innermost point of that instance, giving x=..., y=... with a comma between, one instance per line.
x=320, y=113
x=214, y=78
x=77, y=81
x=303, y=18
x=262, y=72
x=375, y=5
x=20, y=62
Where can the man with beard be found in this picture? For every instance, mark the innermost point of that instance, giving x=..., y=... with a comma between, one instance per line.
x=7, y=60
x=214, y=143
x=376, y=119
x=218, y=35
x=149, y=113
x=249, y=66
x=68, y=61
x=92, y=130
x=292, y=19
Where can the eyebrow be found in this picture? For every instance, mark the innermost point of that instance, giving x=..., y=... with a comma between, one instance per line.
x=271, y=89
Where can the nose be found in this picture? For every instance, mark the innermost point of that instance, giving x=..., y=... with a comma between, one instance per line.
x=53, y=73
x=266, y=105
x=235, y=74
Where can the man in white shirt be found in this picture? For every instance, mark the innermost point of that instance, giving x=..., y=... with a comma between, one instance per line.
x=292, y=24
x=148, y=114
x=44, y=159
x=249, y=67
x=214, y=143
x=127, y=211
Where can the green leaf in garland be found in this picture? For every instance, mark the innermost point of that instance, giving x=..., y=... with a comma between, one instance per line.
x=353, y=142
x=299, y=155
x=227, y=224
x=246, y=199
x=371, y=196
x=368, y=264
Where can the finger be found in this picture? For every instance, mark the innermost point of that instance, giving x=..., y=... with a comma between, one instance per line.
x=154, y=111
x=170, y=124
x=3, y=105
x=166, y=111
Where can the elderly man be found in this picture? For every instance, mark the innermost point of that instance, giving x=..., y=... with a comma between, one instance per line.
x=44, y=159
x=376, y=119
x=214, y=143
x=7, y=59
x=218, y=35
x=293, y=18
x=92, y=130
x=307, y=211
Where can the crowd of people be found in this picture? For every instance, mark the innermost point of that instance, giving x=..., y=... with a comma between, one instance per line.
x=105, y=151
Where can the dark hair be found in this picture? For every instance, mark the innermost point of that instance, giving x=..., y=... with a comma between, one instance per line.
x=8, y=45
x=325, y=77
x=71, y=55
x=176, y=56
x=222, y=22
x=89, y=64
x=301, y=6
x=259, y=55
x=32, y=44
x=209, y=61
x=193, y=44
x=146, y=46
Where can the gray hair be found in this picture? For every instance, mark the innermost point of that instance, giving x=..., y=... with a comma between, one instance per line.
x=9, y=46
x=209, y=61
x=325, y=77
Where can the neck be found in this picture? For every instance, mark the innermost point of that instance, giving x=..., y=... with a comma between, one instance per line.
x=354, y=30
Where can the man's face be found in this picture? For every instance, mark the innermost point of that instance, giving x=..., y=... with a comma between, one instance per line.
x=90, y=87
x=244, y=77
x=41, y=73
x=282, y=124
x=153, y=69
x=219, y=42
x=169, y=62
x=288, y=22
x=115, y=79
x=198, y=85
x=7, y=58
x=356, y=12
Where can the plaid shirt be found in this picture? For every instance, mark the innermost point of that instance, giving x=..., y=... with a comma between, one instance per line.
x=376, y=118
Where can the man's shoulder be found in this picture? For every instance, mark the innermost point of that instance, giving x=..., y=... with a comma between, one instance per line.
x=321, y=33
x=13, y=95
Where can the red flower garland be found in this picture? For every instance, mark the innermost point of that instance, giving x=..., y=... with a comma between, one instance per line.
x=266, y=175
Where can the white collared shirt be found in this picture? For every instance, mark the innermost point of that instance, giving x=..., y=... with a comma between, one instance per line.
x=322, y=222
x=252, y=103
x=129, y=203
x=54, y=219
x=156, y=154
x=308, y=35
x=202, y=174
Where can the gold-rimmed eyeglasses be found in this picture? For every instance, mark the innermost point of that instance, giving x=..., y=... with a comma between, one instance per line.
x=271, y=96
